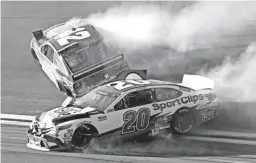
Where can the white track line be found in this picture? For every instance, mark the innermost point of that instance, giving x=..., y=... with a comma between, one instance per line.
x=199, y=138
x=220, y=140
x=15, y=123
x=110, y=158
x=246, y=156
x=213, y=159
x=207, y=132
x=17, y=117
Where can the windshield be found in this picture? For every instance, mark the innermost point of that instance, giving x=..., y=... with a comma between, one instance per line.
x=96, y=99
x=83, y=54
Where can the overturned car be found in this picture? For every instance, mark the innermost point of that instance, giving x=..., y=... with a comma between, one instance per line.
x=77, y=59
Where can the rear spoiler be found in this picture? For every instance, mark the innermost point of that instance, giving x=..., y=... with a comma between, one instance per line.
x=197, y=82
x=39, y=35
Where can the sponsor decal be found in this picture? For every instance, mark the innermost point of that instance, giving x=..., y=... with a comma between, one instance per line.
x=66, y=111
x=162, y=123
x=210, y=96
x=102, y=118
x=79, y=50
x=106, y=76
x=211, y=105
x=183, y=100
x=209, y=115
x=136, y=121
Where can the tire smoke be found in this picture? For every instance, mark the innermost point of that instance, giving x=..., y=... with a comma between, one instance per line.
x=235, y=78
x=172, y=38
x=194, y=26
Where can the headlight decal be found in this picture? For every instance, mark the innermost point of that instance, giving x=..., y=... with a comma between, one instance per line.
x=58, y=128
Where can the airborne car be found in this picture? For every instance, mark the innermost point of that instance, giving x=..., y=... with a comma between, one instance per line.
x=76, y=58
x=126, y=109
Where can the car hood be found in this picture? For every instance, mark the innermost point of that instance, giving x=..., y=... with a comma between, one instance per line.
x=47, y=117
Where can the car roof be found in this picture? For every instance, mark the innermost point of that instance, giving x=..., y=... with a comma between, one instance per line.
x=110, y=87
x=94, y=36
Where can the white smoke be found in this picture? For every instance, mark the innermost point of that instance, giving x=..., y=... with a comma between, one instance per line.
x=196, y=26
x=236, y=80
x=141, y=30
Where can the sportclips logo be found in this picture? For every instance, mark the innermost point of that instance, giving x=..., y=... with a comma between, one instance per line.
x=180, y=101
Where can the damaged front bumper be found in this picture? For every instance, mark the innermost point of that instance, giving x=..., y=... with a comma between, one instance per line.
x=44, y=142
x=37, y=143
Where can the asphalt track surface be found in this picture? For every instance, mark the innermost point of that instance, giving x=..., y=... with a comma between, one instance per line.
x=25, y=90
x=171, y=150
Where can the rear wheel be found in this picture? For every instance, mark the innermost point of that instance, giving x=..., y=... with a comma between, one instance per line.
x=132, y=76
x=182, y=121
x=34, y=54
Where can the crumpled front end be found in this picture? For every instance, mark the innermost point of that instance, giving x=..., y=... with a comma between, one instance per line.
x=47, y=137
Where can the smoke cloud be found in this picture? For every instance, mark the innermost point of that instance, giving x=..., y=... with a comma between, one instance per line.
x=194, y=26
x=168, y=41
x=172, y=38
x=235, y=78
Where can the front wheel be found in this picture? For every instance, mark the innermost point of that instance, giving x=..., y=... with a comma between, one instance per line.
x=79, y=139
x=182, y=121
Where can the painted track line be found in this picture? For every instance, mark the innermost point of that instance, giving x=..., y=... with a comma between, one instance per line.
x=224, y=134
x=206, y=135
x=217, y=159
x=16, y=123
x=220, y=140
x=16, y=117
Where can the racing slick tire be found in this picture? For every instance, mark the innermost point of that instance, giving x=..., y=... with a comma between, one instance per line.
x=81, y=137
x=133, y=76
x=182, y=121
x=34, y=54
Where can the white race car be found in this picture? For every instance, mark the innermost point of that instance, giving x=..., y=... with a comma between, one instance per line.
x=77, y=59
x=126, y=109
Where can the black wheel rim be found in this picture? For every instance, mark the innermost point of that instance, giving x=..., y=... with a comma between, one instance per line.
x=183, y=123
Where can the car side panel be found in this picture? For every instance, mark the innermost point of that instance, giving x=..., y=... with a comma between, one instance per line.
x=197, y=101
x=47, y=66
x=127, y=122
x=208, y=109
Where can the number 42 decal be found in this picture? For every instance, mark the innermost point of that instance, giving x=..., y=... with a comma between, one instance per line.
x=135, y=121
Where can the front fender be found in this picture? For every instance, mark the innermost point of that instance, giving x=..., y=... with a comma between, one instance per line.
x=92, y=131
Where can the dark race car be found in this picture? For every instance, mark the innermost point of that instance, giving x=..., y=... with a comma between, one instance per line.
x=77, y=59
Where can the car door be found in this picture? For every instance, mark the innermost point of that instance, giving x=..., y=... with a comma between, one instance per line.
x=130, y=116
x=170, y=99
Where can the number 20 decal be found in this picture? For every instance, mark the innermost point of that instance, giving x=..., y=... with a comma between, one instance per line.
x=135, y=121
